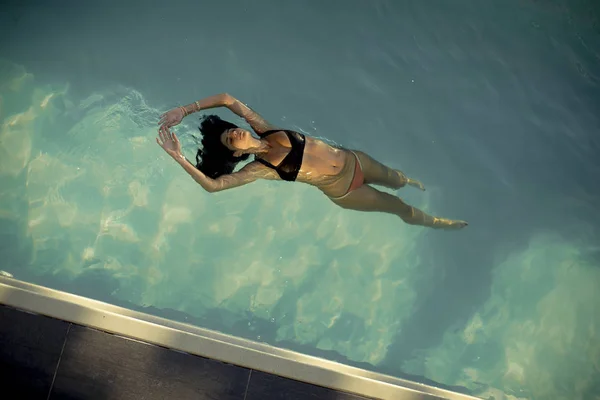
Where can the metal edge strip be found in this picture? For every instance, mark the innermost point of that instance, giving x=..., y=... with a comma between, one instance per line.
x=211, y=344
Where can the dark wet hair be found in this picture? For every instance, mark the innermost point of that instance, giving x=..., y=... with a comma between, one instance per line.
x=214, y=159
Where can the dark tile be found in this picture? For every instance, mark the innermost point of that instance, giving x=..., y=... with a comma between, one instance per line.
x=30, y=347
x=98, y=365
x=266, y=386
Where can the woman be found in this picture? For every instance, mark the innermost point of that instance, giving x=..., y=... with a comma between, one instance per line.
x=345, y=176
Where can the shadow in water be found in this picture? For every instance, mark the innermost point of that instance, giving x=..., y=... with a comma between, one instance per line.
x=247, y=327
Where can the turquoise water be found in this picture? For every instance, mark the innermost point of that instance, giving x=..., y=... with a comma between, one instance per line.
x=494, y=108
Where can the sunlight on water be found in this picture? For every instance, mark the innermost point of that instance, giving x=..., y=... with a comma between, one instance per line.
x=93, y=195
x=537, y=333
x=101, y=196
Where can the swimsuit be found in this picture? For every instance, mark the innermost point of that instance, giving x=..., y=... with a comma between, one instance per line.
x=359, y=176
x=357, y=180
x=289, y=167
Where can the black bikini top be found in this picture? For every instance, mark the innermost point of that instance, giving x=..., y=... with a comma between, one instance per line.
x=289, y=167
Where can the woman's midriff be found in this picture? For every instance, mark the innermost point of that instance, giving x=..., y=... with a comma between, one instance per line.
x=329, y=169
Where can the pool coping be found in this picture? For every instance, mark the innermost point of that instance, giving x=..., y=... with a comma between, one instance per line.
x=212, y=344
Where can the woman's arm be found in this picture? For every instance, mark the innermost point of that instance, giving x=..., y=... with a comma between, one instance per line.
x=248, y=174
x=218, y=100
x=257, y=122
x=174, y=117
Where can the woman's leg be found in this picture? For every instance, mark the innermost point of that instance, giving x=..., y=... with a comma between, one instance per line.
x=378, y=174
x=367, y=198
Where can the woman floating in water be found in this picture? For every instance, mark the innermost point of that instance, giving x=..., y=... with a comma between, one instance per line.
x=345, y=176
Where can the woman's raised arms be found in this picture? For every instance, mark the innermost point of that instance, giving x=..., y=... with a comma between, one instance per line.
x=257, y=122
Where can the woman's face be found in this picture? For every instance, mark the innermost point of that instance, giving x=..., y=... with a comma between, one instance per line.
x=238, y=139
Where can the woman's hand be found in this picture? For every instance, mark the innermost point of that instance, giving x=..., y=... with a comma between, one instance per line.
x=169, y=142
x=171, y=118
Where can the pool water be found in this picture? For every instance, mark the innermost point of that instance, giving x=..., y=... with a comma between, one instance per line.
x=492, y=107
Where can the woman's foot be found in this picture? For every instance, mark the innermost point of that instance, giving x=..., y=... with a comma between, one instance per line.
x=405, y=180
x=415, y=183
x=449, y=224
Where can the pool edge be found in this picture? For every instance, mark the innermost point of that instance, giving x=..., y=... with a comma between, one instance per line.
x=211, y=344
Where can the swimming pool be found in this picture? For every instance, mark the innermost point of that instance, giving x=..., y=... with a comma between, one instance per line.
x=499, y=124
